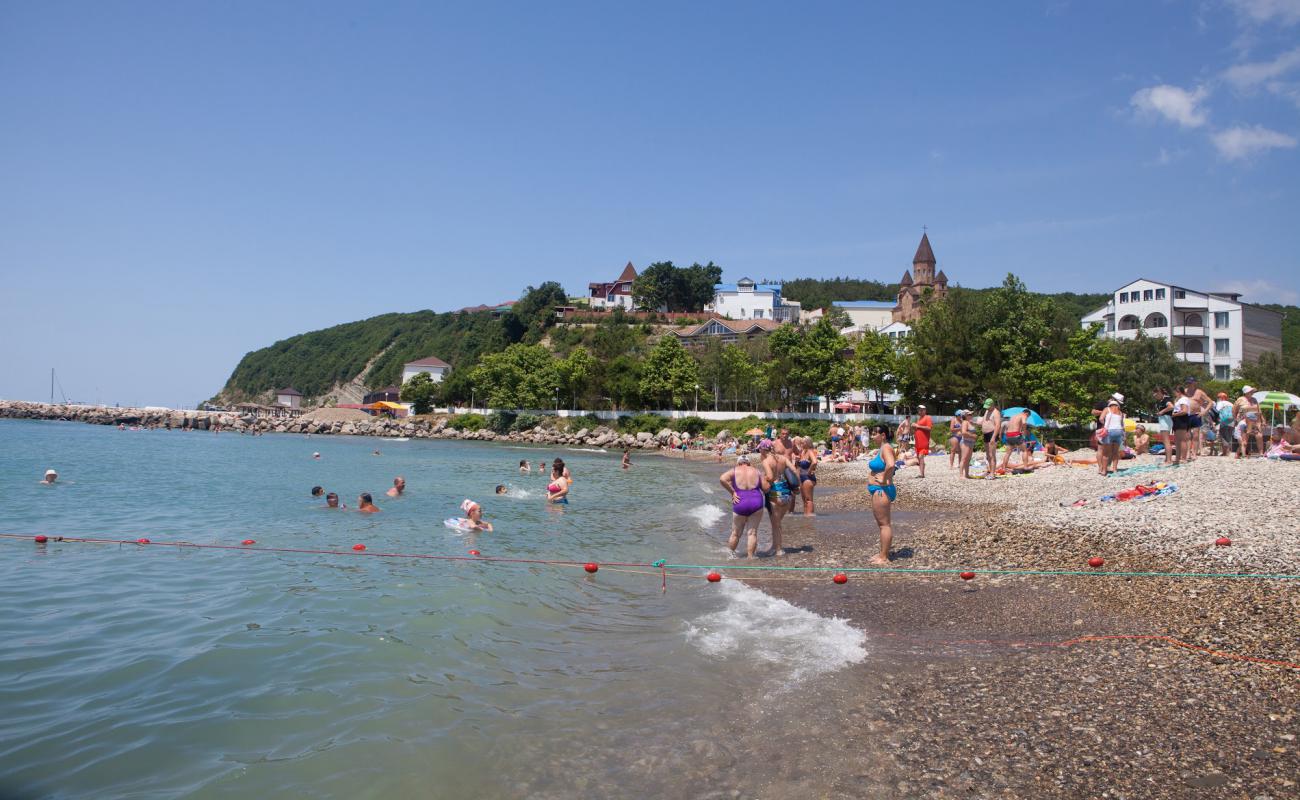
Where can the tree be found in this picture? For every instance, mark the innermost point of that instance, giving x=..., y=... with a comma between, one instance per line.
x=1273, y=373
x=820, y=363
x=1014, y=331
x=669, y=374
x=653, y=288
x=938, y=363
x=1147, y=363
x=1068, y=386
x=576, y=372
x=696, y=286
x=875, y=363
x=621, y=382
x=741, y=375
x=521, y=376
x=420, y=391
x=784, y=346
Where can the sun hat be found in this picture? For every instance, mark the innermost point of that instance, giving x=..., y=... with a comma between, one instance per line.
x=766, y=444
x=988, y=403
x=50, y=472
x=1118, y=398
x=920, y=405
x=1247, y=389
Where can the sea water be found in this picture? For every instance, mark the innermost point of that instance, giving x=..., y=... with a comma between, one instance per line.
x=163, y=672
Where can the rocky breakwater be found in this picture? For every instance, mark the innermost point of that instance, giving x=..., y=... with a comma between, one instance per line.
x=338, y=422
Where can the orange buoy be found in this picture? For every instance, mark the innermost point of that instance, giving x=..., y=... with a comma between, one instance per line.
x=475, y=553
x=247, y=542
x=358, y=547
x=41, y=538
x=967, y=576
x=840, y=577
x=713, y=577
x=1223, y=541
x=142, y=540
x=1096, y=561
x=590, y=567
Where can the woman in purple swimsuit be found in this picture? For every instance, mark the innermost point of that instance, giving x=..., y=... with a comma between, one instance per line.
x=746, y=486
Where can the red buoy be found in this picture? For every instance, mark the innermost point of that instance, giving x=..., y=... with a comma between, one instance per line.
x=475, y=553
x=967, y=576
x=840, y=577
x=713, y=577
x=590, y=567
x=41, y=538
x=247, y=542
x=1096, y=561
x=358, y=547
x=1223, y=541
x=142, y=540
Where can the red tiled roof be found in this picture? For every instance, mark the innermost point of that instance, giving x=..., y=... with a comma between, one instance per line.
x=628, y=273
x=431, y=361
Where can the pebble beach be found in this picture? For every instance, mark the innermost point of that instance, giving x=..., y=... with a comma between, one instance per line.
x=1029, y=685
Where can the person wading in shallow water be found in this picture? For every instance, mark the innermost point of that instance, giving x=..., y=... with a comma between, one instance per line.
x=366, y=503
x=399, y=486
x=746, y=487
x=780, y=495
x=881, y=488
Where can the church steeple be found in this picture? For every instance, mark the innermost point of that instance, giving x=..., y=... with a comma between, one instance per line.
x=923, y=262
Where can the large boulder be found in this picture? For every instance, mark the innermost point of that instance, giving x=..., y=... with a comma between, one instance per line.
x=581, y=434
x=644, y=436
x=723, y=435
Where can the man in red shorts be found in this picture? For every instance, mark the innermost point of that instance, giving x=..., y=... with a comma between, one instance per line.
x=921, y=430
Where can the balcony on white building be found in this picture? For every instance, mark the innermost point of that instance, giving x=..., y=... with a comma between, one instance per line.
x=1190, y=330
x=1195, y=358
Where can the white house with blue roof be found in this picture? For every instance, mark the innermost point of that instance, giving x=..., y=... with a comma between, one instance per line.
x=748, y=299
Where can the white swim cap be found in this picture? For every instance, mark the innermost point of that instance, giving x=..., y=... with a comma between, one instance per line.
x=50, y=472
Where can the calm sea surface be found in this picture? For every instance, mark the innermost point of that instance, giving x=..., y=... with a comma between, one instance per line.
x=132, y=671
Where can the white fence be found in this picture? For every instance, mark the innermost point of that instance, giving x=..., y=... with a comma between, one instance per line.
x=719, y=416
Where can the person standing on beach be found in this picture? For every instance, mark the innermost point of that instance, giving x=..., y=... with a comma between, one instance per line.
x=1112, y=425
x=967, y=442
x=1016, y=438
x=881, y=488
x=783, y=445
x=1182, y=416
x=806, y=463
x=779, y=497
x=1223, y=419
x=746, y=487
x=991, y=426
x=924, y=426
x=1247, y=408
x=954, y=438
x=1164, y=408
x=1200, y=407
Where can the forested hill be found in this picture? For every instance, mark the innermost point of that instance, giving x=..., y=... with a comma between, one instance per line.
x=814, y=293
x=314, y=362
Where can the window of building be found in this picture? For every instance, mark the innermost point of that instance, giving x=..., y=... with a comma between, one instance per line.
x=1221, y=347
x=1179, y=294
x=1160, y=294
x=758, y=313
x=1222, y=372
x=1110, y=324
x=1147, y=294
x=1156, y=320
x=1221, y=319
x=1123, y=297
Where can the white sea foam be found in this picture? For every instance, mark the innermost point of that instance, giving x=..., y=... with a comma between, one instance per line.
x=520, y=494
x=757, y=626
x=706, y=515
x=586, y=450
x=707, y=488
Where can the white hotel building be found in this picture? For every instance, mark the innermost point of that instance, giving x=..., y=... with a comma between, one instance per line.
x=1211, y=328
x=748, y=299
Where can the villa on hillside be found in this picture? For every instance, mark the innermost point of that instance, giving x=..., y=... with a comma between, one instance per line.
x=726, y=331
x=616, y=293
x=748, y=299
x=436, y=367
x=1211, y=328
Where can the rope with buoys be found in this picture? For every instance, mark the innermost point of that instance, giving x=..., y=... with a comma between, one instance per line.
x=661, y=569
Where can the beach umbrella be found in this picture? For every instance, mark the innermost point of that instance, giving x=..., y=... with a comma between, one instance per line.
x=754, y=432
x=1277, y=399
x=846, y=407
x=1034, y=419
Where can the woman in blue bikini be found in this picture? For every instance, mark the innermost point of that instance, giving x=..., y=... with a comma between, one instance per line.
x=881, y=488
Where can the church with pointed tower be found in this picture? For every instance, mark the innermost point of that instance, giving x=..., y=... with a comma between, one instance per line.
x=920, y=284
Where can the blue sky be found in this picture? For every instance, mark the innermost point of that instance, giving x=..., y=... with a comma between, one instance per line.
x=181, y=183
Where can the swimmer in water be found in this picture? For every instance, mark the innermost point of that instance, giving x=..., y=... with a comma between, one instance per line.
x=474, y=513
x=627, y=459
x=50, y=477
x=399, y=486
x=541, y=467
x=557, y=492
x=332, y=500
x=523, y=467
x=376, y=453
x=746, y=487
x=317, y=491
x=316, y=456
x=501, y=488
x=366, y=504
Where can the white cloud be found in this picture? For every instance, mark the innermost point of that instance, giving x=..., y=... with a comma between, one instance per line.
x=1285, y=11
x=1241, y=142
x=1172, y=103
x=1251, y=74
x=1262, y=291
